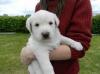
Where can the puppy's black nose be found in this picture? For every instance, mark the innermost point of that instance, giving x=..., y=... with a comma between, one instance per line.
x=45, y=35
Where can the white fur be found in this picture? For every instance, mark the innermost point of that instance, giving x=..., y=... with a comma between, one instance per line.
x=41, y=47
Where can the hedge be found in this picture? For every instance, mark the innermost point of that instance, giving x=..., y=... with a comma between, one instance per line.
x=96, y=24
x=17, y=24
x=12, y=24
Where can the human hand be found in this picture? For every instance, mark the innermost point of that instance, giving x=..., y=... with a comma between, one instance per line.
x=26, y=55
x=63, y=52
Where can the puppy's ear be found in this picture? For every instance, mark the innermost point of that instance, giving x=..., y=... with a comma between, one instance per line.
x=57, y=21
x=28, y=24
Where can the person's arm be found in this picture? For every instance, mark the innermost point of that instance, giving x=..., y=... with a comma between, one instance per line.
x=81, y=27
x=80, y=30
x=63, y=52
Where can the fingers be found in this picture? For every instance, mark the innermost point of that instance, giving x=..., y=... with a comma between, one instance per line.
x=26, y=55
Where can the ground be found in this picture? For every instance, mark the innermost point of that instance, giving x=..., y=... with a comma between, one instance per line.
x=10, y=47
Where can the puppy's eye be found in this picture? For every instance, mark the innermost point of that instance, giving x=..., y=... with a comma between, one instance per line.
x=36, y=24
x=50, y=23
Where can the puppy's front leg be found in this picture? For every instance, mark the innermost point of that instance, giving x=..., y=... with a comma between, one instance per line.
x=34, y=68
x=74, y=44
x=44, y=61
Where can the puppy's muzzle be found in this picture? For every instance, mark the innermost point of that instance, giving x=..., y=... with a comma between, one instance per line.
x=45, y=35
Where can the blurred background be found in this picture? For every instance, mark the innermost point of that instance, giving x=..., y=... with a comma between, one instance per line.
x=24, y=7
x=17, y=7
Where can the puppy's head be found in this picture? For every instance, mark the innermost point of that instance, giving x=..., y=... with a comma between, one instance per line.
x=42, y=25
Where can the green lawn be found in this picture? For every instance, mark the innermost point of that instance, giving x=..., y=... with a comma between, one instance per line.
x=10, y=47
x=90, y=64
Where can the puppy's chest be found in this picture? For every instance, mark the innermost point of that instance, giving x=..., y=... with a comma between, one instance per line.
x=48, y=46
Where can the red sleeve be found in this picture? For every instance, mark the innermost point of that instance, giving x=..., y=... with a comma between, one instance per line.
x=80, y=29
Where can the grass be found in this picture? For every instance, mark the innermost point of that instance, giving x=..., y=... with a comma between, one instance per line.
x=90, y=64
x=10, y=47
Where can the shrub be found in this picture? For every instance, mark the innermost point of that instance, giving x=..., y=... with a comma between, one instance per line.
x=12, y=24
x=17, y=24
x=96, y=24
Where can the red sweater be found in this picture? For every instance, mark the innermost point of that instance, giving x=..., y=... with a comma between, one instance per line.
x=75, y=22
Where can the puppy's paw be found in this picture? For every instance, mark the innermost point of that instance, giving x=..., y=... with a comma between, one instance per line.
x=77, y=45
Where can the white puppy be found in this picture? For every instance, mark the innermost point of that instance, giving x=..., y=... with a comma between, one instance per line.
x=45, y=36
